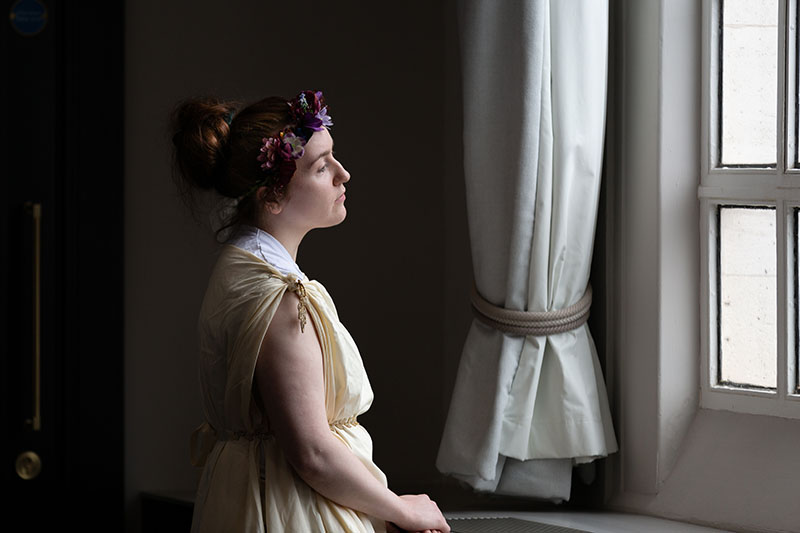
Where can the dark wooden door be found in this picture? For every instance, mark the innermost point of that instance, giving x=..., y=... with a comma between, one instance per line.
x=61, y=278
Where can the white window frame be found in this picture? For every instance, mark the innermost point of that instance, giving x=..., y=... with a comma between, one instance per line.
x=775, y=187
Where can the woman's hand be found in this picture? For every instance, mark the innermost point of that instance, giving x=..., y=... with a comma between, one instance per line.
x=421, y=514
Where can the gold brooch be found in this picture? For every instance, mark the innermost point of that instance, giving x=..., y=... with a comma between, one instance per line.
x=302, y=306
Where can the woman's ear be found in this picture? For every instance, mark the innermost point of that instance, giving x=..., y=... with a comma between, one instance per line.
x=273, y=207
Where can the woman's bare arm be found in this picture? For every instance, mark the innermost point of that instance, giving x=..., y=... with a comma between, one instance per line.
x=290, y=382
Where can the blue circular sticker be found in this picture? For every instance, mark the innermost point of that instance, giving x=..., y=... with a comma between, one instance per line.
x=28, y=17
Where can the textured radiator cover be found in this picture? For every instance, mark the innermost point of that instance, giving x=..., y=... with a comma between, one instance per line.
x=505, y=525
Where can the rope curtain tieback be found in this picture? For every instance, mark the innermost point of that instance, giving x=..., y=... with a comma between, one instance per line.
x=531, y=322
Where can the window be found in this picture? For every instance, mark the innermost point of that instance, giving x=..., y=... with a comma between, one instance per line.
x=750, y=198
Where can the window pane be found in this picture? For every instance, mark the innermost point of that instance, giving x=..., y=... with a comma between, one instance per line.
x=749, y=82
x=747, y=310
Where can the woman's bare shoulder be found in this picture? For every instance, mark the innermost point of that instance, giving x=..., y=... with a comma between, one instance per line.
x=285, y=332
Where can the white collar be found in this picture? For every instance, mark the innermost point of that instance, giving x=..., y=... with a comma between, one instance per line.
x=260, y=243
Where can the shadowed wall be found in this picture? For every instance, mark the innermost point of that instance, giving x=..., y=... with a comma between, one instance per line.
x=398, y=268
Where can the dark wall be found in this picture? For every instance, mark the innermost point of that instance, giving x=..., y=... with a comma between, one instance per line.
x=398, y=268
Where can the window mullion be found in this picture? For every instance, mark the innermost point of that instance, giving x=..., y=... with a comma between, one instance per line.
x=790, y=85
x=791, y=299
x=710, y=293
x=781, y=240
x=782, y=285
x=783, y=13
x=711, y=77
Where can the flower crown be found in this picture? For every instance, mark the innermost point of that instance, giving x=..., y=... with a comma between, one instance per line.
x=279, y=152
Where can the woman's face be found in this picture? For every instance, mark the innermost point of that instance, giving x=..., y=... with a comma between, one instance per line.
x=315, y=195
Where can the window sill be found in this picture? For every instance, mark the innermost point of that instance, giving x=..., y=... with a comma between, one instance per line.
x=711, y=483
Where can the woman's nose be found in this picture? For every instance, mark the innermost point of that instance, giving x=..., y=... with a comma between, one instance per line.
x=343, y=175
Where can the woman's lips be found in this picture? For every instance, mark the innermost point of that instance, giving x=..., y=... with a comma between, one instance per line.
x=341, y=198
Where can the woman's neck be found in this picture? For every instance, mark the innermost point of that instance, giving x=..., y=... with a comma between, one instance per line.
x=289, y=238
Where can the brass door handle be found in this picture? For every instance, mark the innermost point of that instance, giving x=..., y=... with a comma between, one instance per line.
x=35, y=210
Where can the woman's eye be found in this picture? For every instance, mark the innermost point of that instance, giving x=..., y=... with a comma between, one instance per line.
x=322, y=169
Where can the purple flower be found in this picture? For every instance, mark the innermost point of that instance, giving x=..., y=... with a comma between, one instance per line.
x=310, y=112
x=324, y=118
x=293, y=146
x=311, y=122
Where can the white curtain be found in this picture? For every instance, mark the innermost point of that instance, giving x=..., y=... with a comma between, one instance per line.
x=525, y=409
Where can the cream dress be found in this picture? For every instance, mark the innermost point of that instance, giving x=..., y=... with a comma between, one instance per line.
x=247, y=484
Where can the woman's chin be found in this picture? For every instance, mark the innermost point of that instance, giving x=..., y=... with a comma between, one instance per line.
x=335, y=220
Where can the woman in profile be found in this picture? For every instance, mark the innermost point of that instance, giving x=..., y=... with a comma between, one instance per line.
x=281, y=378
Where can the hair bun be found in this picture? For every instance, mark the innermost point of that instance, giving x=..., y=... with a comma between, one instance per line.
x=200, y=132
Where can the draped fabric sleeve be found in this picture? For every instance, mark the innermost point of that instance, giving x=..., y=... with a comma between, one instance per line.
x=236, y=312
x=247, y=485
